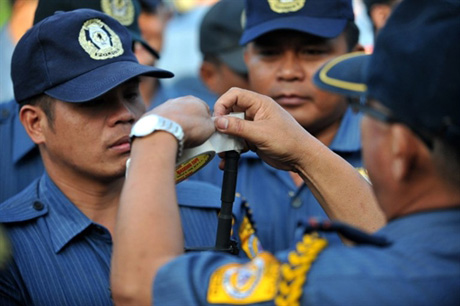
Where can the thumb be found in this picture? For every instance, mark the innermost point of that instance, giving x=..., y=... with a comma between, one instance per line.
x=233, y=126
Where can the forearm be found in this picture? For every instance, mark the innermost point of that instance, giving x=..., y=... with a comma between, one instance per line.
x=148, y=231
x=342, y=192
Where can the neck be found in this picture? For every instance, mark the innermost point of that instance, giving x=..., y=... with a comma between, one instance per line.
x=326, y=135
x=424, y=196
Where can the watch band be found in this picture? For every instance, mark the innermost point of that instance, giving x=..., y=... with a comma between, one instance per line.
x=151, y=123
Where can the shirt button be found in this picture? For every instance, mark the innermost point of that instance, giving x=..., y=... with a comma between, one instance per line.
x=99, y=230
x=291, y=193
x=5, y=113
x=296, y=203
x=38, y=206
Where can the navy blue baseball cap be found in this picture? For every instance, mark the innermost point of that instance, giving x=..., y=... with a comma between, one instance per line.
x=414, y=70
x=75, y=56
x=125, y=11
x=324, y=18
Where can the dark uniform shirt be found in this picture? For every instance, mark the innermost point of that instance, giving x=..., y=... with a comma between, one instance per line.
x=419, y=264
x=61, y=257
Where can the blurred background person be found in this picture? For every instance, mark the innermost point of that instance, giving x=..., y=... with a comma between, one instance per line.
x=223, y=64
x=379, y=11
x=181, y=51
x=153, y=19
x=20, y=20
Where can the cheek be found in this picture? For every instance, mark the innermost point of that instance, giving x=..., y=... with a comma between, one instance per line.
x=260, y=79
x=138, y=108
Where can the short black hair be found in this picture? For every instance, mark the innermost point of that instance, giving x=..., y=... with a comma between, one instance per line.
x=45, y=102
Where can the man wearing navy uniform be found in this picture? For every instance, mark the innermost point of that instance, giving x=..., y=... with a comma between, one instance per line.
x=77, y=82
x=20, y=161
x=285, y=43
x=408, y=91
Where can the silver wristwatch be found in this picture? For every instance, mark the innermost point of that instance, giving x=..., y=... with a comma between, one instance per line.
x=151, y=123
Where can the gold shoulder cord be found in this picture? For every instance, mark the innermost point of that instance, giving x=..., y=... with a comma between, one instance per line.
x=294, y=272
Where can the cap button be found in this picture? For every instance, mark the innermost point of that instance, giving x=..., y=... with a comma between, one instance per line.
x=38, y=205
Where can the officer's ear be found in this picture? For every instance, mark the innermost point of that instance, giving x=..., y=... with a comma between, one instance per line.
x=34, y=120
x=208, y=72
x=405, y=150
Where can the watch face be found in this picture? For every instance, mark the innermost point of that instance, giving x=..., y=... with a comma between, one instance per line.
x=144, y=126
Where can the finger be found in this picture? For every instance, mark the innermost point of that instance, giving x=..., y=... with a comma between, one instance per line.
x=238, y=100
x=245, y=129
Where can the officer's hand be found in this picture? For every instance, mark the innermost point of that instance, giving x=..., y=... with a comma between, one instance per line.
x=192, y=114
x=268, y=129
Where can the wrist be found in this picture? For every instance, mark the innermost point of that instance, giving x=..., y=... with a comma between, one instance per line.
x=153, y=123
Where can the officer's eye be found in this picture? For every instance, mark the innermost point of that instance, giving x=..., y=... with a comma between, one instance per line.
x=314, y=50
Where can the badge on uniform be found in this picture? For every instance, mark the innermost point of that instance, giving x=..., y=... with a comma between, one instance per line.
x=253, y=282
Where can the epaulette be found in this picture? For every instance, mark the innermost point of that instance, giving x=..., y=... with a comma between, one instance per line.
x=351, y=233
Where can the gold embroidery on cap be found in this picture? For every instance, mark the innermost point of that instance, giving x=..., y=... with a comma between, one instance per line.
x=121, y=10
x=286, y=6
x=243, y=19
x=99, y=41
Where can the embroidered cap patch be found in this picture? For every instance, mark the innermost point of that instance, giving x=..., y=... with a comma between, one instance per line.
x=286, y=6
x=121, y=10
x=99, y=41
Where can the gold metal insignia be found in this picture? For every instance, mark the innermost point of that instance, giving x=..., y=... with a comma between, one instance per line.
x=99, y=41
x=364, y=174
x=286, y=6
x=121, y=10
x=255, y=281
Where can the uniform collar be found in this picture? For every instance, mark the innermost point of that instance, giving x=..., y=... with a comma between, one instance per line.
x=422, y=223
x=22, y=144
x=64, y=219
x=43, y=199
x=348, y=137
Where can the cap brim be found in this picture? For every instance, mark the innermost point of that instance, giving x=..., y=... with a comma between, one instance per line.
x=138, y=38
x=235, y=60
x=99, y=81
x=345, y=75
x=323, y=27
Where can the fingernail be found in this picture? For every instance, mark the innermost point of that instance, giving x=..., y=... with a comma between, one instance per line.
x=222, y=123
